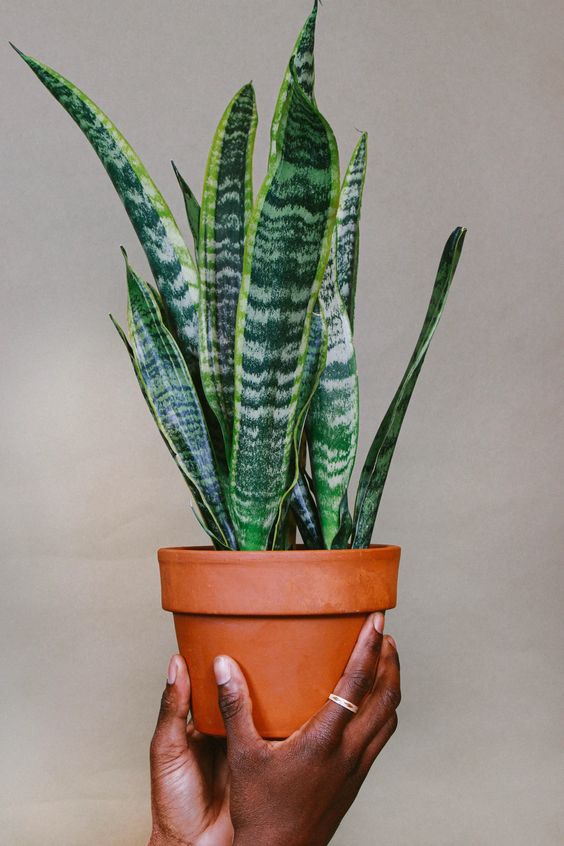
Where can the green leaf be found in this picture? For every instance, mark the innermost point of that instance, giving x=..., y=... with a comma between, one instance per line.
x=341, y=539
x=226, y=209
x=286, y=250
x=377, y=464
x=174, y=269
x=191, y=204
x=332, y=422
x=302, y=61
x=305, y=512
x=174, y=402
x=347, y=225
x=302, y=504
x=207, y=522
x=333, y=418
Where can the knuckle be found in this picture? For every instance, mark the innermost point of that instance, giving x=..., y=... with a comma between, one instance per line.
x=350, y=761
x=376, y=641
x=391, y=696
x=358, y=681
x=230, y=704
x=166, y=701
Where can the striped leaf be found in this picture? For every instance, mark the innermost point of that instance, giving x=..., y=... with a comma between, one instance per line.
x=226, y=209
x=302, y=61
x=347, y=225
x=174, y=269
x=191, y=205
x=206, y=521
x=174, y=402
x=332, y=422
x=286, y=250
x=377, y=464
x=305, y=512
x=301, y=500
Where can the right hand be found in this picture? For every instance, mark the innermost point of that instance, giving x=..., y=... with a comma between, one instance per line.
x=295, y=792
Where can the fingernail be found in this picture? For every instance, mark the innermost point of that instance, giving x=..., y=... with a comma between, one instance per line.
x=172, y=670
x=379, y=622
x=222, y=669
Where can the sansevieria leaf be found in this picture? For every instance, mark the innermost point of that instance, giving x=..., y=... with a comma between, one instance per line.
x=333, y=419
x=226, y=210
x=296, y=206
x=347, y=226
x=305, y=513
x=332, y=423
x=174, y=401
x=301, y=499
x=207, y=521
x=191, y=205
x=171, y=263
x=302, y=62
x=377, y=464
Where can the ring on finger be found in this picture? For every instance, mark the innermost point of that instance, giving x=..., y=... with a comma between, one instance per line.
x=344, y=703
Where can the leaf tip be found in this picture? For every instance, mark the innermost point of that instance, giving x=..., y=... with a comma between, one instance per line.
x=18, y=51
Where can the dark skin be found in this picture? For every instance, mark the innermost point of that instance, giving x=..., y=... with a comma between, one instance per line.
x=210, y=792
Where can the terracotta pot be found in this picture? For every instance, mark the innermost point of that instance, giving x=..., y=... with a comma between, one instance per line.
x=290, y=619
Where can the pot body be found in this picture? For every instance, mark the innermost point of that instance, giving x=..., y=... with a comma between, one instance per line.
x=289, y=618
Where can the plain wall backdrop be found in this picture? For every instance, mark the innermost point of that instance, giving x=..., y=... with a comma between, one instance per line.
x=463, y=105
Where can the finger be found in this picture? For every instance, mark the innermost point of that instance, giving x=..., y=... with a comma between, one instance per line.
x=385, y=696
x=355, y=683
x=235, y=706
x=169, y=739
x=377, y=744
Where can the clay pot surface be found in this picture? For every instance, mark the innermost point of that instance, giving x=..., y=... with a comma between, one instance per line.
x=290, y=619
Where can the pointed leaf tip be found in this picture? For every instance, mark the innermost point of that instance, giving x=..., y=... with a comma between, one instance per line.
x=24, y=56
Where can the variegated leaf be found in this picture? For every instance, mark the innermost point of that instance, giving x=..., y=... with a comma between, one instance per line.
x=286, y=250
x=174, y=402
x=171, y=263
x=207, y=521
x=304, y=506
x=332, y=422
x=191, y=205
x=377, y=464
x=302, y=61
x=226, y=209
x=347, y=226
x=305, y=512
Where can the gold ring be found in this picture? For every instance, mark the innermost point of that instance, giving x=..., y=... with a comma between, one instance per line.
x=350, y=706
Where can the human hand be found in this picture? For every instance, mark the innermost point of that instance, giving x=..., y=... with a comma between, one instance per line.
x=292, y=792
x=295, y=792
x=189, y=773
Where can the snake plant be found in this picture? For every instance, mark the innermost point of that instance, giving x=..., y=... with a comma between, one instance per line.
x=244, y=349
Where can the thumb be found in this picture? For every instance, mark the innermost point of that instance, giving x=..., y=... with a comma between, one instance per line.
x=235, y=706
x=169, y=739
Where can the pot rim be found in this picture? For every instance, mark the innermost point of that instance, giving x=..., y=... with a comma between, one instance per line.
x=300, y=548
x=203, y=580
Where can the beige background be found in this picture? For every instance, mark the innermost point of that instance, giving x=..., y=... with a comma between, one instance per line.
x=463, y=105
